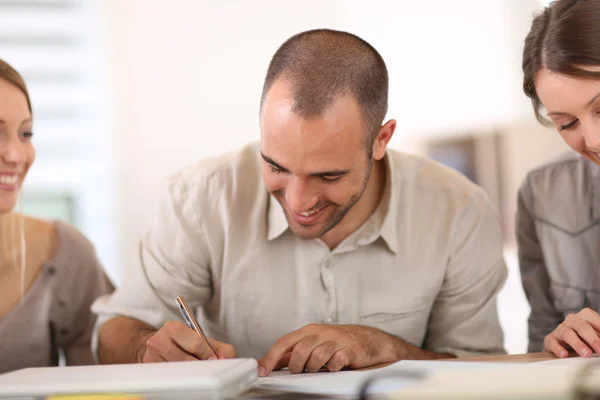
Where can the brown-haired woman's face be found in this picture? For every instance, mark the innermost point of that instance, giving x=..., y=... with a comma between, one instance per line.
x=16, y=150
x=573, y=105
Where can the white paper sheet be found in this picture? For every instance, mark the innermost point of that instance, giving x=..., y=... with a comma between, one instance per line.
x=348, y=383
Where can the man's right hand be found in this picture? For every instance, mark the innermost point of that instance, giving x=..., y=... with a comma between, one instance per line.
x=175, y=341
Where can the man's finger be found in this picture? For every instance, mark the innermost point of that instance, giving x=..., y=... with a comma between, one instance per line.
x=301, y=353
x=175, y=353
x=156, y=345
x=153, y=358
x=320, y=356
x=222, y=350
x=151, y=355
x=340, y=359
x=191, y=342
x=284, y=345
x=284, y=362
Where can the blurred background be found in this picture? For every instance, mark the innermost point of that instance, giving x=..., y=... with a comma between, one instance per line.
x=125, y=92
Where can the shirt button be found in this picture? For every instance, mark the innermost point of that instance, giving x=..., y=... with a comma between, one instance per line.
x=327, y=264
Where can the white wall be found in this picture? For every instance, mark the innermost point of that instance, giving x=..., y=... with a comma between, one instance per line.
x=186, y=81
x=186, y=76
x=450, y=62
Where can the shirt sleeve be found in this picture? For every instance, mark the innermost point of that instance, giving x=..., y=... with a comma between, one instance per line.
x=170, y=262
x=464, y=318
x=544, y=317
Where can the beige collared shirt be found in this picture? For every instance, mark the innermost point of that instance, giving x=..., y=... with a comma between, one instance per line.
x=426, y=266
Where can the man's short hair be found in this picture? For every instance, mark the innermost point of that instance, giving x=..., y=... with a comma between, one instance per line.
x=322, y=65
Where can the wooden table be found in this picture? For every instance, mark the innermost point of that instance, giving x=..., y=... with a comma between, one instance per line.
x=514, y=358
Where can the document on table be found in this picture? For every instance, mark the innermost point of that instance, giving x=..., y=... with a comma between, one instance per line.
x=398, y=376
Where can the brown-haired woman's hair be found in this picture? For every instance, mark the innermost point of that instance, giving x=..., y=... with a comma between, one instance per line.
x=10, y=75
x=564, y=38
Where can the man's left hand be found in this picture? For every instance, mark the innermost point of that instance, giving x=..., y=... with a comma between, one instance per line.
x=330, y=347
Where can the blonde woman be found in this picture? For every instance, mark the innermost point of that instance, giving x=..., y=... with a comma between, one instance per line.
x=49, y=273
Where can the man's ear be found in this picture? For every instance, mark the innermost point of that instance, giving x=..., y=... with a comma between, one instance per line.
x=383, y=138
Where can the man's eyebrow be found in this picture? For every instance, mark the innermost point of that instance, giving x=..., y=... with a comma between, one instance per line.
x=272, y=162
x=333, y=172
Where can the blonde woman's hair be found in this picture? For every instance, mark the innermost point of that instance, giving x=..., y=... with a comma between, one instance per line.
x=10, y=75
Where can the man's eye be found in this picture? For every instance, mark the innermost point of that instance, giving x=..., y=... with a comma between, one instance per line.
x=330, y=179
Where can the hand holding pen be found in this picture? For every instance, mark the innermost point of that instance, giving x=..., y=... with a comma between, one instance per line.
x=190, y=320
x=175, y=341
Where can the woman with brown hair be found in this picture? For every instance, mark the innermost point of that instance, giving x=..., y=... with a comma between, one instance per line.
x=558, y=218
x=49, y=273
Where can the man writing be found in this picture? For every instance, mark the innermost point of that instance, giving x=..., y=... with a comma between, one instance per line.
x=317, y=247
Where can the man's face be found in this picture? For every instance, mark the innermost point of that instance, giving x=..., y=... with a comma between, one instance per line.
x=317, y=168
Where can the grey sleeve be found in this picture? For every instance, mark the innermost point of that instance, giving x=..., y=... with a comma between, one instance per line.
x=464, y=318
x=84, y=280
x=544, y=317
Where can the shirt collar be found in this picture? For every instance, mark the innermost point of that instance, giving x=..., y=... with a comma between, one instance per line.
x=277, y=224
x=388, y=207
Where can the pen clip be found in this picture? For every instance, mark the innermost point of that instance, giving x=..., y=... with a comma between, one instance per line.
x=185, y=316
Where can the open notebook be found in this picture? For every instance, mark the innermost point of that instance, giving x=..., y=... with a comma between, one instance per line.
x=439, y=380
x=346, y=384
